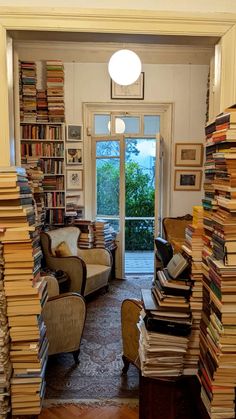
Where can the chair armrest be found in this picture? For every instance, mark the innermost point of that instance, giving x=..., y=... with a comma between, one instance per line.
x=96, y=256
x=64, y=316
x=52, y=285
x=74, y=267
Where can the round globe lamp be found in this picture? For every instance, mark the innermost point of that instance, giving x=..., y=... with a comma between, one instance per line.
x=119, y=126
x=124, y=67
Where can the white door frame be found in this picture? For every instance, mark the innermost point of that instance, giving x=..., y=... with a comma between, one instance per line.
x=165, y=113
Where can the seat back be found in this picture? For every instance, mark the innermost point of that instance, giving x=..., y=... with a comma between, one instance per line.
x=130, y=311
x=69, y=235
x=164, y=251
x=174, y=230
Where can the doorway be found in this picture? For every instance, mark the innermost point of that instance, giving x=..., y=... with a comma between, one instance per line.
x=125, y=184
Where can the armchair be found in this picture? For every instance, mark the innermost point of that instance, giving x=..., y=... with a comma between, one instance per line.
x=88, y=269
x=64, y=316
x=130, y=311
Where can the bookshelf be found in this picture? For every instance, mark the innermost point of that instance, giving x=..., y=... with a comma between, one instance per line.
x=45, y=143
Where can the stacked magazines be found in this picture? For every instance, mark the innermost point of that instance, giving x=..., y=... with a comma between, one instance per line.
x=165, y=323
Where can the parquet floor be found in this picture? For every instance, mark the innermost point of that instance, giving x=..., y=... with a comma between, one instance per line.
x=103, y=412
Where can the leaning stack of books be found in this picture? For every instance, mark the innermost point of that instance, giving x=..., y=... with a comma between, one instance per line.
x=86, y=237
x=26, y=292
x=28, y=79
x=5, y=364
x=165, y=324
x=193, y=248
x=55, y=90
x=217, y=367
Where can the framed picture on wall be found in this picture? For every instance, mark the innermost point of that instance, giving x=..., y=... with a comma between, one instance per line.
x=74, y=155
x=74, y=179
x=74, y=132
x=132, y=91
x=188, y=154
x=188, y=180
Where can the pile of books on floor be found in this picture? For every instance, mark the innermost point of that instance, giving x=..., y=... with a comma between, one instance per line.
x=217, y=368
x=28, y=90
x=86, y=237
x=26, y=292
x=104, y=235
x=165, y=324
x=55, y=90
x=193, y=249
x=5, y=364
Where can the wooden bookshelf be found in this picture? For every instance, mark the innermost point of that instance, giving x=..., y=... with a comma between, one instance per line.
x=45, y=142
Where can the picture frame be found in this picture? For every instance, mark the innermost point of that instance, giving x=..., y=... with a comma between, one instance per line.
x=188, y=180
x=74, y=179
x=188, y=154
x=132, y=91
x=74, y=132
x=74, y=154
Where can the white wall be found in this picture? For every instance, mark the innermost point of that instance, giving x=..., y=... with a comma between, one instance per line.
x=184, y=85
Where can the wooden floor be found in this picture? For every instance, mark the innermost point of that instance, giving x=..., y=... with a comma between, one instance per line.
x=103, y=412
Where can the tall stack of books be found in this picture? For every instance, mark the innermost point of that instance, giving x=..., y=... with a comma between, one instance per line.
x=5, y=364
x=166, y=322
x=217, y=366
x=42, y=106
x=28, y=79
x=104, y=235
x=193, y=249
x=55, y=90
x=25, y=290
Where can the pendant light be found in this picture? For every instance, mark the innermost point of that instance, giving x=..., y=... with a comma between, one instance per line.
x=124, y=67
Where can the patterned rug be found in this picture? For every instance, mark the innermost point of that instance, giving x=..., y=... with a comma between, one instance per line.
x=98, y=376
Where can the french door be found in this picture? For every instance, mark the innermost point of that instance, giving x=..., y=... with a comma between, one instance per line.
x=125, y=183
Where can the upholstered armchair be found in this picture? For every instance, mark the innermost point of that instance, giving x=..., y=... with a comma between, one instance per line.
x=130, y=311
x=88, y=269
x=64, y=316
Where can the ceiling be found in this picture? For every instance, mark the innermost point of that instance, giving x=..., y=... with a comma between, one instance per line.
x=22, y=35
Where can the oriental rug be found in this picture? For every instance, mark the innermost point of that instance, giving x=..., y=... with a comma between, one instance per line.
x=98, y=376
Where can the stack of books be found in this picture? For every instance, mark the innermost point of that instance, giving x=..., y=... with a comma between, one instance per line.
x=217, y=365
x=86, y=237
x=20, y=92
x=5, y=364
x=193, y=248
x=166, y=323
x=104, y=235
x=29, y=80
x=55, y=90
x=42, y=106
x=26, y=292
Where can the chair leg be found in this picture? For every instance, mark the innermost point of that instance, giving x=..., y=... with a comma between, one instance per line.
x=126, y=365
x=76, y=356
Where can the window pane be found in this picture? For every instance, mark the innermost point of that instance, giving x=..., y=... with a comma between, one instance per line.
x=151, y=124
x=132, y=124
x=107, y=148
x=108, y=183
x=101, y=124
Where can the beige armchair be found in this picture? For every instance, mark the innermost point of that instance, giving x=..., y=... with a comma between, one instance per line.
x=88, y=269
x=64, y=316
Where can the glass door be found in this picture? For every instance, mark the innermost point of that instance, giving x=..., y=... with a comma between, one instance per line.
x=140, y=164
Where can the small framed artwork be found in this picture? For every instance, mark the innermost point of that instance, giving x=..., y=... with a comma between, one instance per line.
x=188, y=154
x=74, y=132
x=74, y=155
x=188, y=180
x=133, y=91
x=74, y=179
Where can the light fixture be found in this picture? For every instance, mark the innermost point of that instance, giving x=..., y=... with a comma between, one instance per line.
x=119, y=126
x=124, y=67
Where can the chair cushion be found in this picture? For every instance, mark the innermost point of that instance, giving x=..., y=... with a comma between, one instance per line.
x=63, y=250
x=97, y=277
